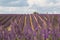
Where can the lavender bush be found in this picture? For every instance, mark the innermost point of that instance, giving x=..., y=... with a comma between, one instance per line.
x=30, y=27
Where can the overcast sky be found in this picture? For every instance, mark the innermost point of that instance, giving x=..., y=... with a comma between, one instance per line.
x=29, y=6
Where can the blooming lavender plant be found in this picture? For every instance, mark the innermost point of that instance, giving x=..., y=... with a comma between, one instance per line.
x=30, y=27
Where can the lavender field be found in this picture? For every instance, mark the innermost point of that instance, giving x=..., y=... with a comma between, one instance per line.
x=29, y=27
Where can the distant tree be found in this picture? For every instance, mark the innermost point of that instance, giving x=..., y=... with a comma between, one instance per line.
x=35, y=12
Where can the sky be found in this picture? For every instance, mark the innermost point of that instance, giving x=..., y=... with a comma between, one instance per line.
x=29, y=6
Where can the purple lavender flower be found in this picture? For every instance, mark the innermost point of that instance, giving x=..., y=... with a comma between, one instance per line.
x=30, y=27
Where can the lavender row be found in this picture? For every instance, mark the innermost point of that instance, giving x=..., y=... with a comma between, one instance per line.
x=30, y=27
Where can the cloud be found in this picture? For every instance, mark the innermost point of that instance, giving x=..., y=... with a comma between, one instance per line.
x=44, y=3
x=29, y=6
x=26, y=10
x=30, y=3
x=37, y=2
x=18, y=10
x=14, y=3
